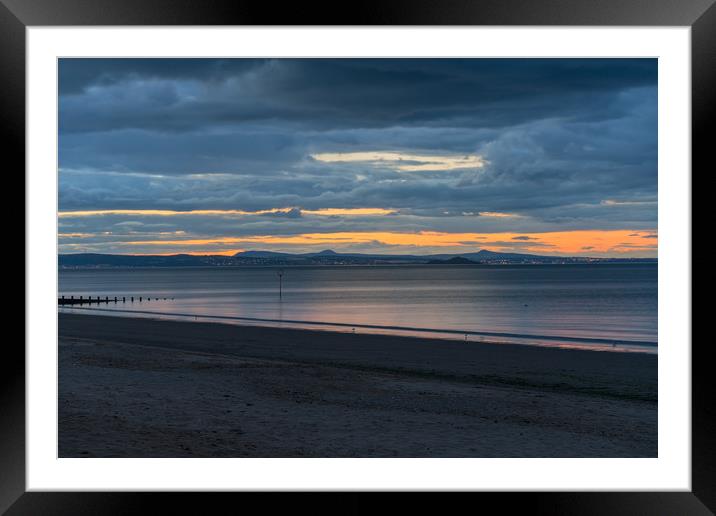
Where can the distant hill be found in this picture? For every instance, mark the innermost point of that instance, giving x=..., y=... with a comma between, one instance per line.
x=260, y=254
x=123, y=260
x=326, y=257
x=486, y=255
x=457, y=260
x=325, y=252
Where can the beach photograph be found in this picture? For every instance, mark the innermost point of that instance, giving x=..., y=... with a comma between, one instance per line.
x=357, y=257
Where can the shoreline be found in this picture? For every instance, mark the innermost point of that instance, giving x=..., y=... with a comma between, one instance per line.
x=561, y=342
x=128, y=384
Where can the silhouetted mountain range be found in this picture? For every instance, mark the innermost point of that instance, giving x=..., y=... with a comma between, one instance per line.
x=326, y=257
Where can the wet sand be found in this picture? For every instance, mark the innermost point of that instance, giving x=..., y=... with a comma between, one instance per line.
x=136, y=387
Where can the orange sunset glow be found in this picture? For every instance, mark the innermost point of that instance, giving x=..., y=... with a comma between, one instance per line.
x=559, y=242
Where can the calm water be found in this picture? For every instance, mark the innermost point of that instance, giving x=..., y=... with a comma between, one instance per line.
x=581, y=305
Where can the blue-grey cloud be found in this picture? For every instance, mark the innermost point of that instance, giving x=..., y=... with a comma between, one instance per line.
x=561, y=139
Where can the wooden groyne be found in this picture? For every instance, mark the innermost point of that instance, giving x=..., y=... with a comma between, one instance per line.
x=90, y=300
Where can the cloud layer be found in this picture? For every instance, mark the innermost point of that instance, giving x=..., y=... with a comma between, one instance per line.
x=239, y=148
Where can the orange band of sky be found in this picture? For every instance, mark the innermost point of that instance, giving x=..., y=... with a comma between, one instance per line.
x=573, y=242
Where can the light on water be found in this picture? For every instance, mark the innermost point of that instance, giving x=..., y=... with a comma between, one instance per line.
x=579, y=305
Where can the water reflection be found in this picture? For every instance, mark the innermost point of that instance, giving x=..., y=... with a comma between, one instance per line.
x=608, y=302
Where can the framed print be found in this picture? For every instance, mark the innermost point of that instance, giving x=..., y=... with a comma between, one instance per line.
x=415, y=249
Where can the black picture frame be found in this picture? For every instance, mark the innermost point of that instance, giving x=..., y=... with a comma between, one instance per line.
x=17, y=15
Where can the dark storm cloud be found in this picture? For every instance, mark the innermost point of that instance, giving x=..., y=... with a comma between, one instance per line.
x=565, y=143
x=76, y=75
x=188, y=95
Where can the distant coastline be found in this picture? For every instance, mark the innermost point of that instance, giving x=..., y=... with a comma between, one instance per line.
x=327, y=257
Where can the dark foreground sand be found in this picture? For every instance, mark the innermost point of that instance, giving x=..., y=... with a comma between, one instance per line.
x=148, y=388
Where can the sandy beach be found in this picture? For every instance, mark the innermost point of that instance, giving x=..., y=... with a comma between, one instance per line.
x=131, y=387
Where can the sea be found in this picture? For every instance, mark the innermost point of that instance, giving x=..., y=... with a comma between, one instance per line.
x=606, y=306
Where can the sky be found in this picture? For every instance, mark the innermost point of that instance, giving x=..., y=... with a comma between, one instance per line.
x=398, y=156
